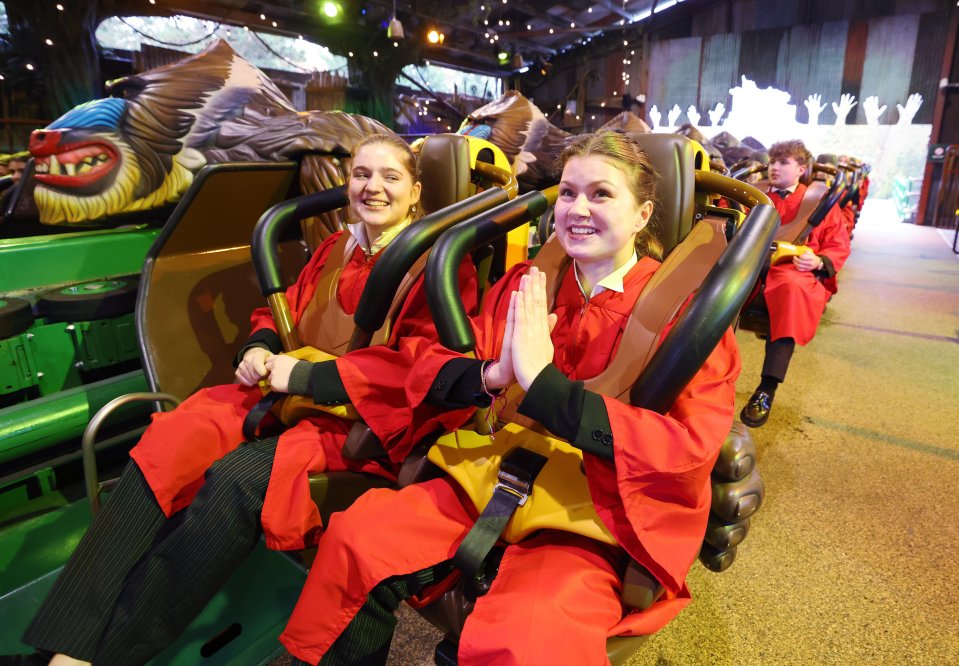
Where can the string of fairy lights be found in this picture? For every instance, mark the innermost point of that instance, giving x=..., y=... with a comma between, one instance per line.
x=493, y=29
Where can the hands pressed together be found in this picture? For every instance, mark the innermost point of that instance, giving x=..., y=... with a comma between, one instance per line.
x=527, y=347
x=259, y=363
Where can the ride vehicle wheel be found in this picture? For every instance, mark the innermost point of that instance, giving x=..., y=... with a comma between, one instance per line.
x=16, y=316
x=90, y=300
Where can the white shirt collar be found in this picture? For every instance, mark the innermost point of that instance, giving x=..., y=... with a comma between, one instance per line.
x=359, y=237
x=788, y=189
x=612, y=282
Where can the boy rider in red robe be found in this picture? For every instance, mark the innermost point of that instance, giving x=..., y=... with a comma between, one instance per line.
x=795, y=292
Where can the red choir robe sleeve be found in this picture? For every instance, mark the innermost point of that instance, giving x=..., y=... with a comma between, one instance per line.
x=830, y=241
x=421, y=418
x=375, y=378
x=655, y=496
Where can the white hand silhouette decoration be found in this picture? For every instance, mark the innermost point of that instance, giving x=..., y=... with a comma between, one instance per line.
x=655, y=116
x=908, y=112
x=673, y=115
x=814, y=106
x=870, y=106
x=846, y=102
x=693, y=115
x=716, y=114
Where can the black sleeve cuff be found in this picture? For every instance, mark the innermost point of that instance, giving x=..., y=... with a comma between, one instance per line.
x=458, y=384
x=828, y=269
x=325, y=384
x=265, y=338
x=569, y=411
x=299, y=383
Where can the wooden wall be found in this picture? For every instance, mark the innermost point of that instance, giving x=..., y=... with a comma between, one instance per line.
x=887, y=48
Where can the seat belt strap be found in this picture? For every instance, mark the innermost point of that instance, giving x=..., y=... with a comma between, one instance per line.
x=518, y=470
x=251, y=424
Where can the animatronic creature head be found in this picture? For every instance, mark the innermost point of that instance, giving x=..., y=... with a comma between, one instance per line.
x=517, y=127
x=140, y=148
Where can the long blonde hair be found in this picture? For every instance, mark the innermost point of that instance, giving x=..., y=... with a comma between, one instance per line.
x=640, y=174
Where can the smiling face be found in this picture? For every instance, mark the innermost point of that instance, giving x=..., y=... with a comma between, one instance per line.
x=597, y=215
x=381, y=189
x=784, y=172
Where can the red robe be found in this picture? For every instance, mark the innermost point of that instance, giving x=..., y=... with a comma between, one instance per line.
x=179, y=446
x=796, y=299
x=655, y=499
x=848, y=213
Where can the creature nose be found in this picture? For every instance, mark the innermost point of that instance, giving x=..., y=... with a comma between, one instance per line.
x=44, y=142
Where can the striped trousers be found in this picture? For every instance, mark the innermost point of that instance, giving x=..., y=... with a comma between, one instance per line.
x=137, y=579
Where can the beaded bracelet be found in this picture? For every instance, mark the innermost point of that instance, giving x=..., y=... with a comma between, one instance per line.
x=483, y=372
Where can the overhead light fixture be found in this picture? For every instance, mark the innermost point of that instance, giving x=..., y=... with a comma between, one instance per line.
x=330, y=9
x=517, y=61
x=395, y=29
x=502, y=57
x=435, y=37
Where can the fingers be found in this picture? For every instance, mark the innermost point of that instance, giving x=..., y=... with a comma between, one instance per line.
x=241, y=376
x=505, y=354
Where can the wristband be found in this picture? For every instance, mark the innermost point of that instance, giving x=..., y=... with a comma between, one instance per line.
x=483, y=372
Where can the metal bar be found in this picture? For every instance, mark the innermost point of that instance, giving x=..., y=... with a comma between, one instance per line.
x=32, y=426
x=87, y=443
x=442, y=287
x=741, y=192
x=501, y=177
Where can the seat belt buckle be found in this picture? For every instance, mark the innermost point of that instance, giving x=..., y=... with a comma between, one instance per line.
x=517, y=471
x=513, y=486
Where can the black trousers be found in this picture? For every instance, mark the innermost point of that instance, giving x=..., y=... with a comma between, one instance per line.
x=778, y=354
x=137, y=579
x=366, y=639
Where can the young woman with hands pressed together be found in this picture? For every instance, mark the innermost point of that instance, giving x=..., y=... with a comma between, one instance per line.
x=557, y=595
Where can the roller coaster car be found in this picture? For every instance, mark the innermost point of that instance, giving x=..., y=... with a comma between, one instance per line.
x=827, y=186
x=195, y=290
x=708, y=255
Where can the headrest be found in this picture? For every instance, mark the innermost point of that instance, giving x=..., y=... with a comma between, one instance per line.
x=676, y=159
x=444, y=164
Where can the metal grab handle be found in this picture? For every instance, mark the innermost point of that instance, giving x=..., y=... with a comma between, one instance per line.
x=265, y=248
x=90, y=476
x=442, y=285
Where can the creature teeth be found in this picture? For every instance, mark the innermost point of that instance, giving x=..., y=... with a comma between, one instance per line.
x=85, y=167
x=103, y=157
x=54, y=166
x=71, y=168
x=88, y=160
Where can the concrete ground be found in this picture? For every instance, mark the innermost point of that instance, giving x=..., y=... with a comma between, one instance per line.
x=851, y=559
